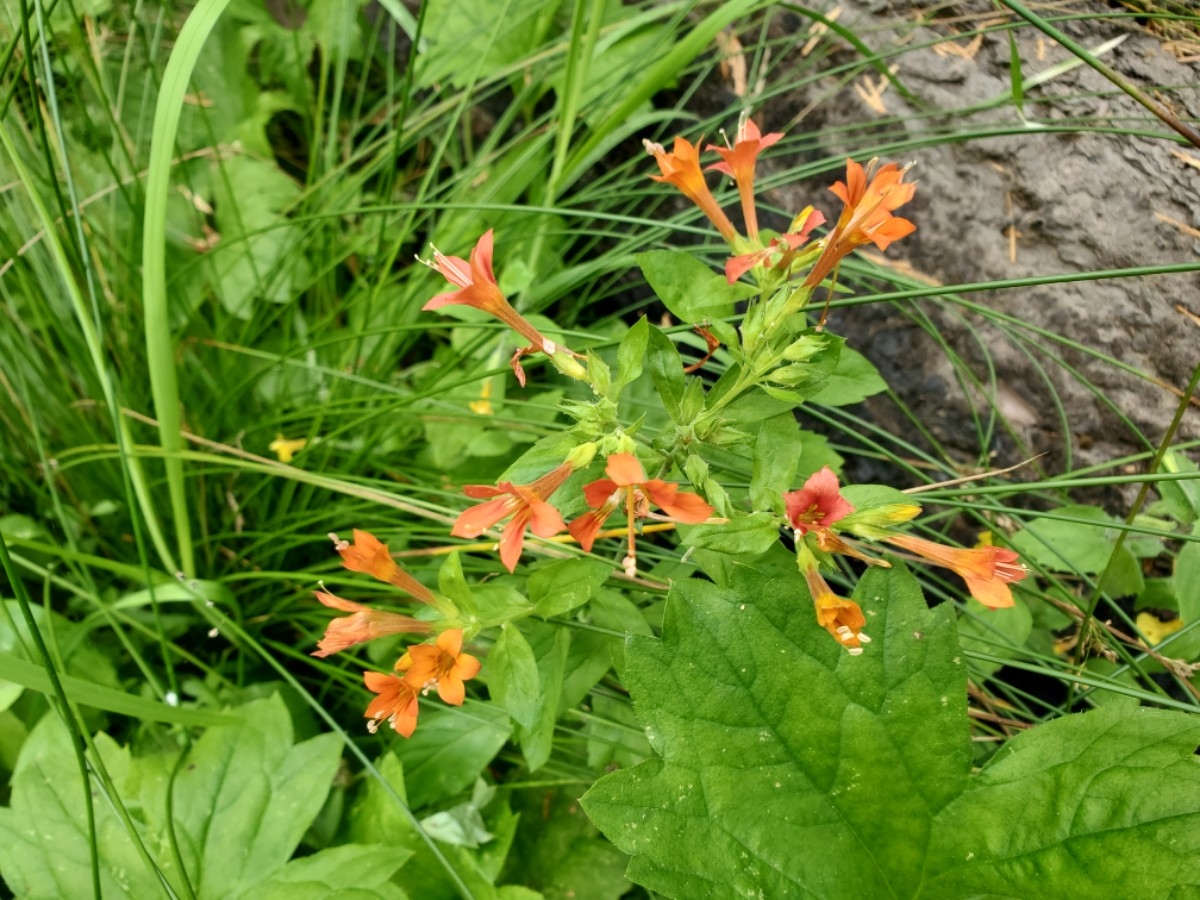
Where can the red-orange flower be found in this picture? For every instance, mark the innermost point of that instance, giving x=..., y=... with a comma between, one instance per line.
x=367, y=554
x=362, y=625
x=477, y=287
x=738, y=163
x=397, y=702
x=842, y=618
x=818, y=504
x=681, y=167
x=627, y=483
x=867, y=214
x=526, y=503
x=442, y=665
x=783, y=246
x=986, y=570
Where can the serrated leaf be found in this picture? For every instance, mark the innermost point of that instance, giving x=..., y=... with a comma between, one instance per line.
x=564, y=585
x=791, y=769
x=512, y=675
x=689, y=288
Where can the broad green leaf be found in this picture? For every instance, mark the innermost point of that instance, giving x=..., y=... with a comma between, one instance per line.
x=777, y=451
x=469, y=40
x=747, y=536
x=453, y=584
x=551, y=646
x=43, y=833
x=350, y=872
x=631, y=353
x=243, y=799
x=854, y=380
x=789, y=768
x=564, y=585
x=512, y=675
x=449, y=749
x=689, y=288
x=1182, y=498
x=666, y=369
x=1067, y=546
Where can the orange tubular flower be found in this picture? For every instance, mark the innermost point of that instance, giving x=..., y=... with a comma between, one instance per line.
x=681, y=167
x=526, y=503
x=738, y=164
x=818, y=504
x=369, y=555
x=477, y=287
x=842, y=618
x=442, y=665
x=627, y=483
x=362, y=625
x=397, y=702
x=986, y=570
x=867, y=214
x=785, y=245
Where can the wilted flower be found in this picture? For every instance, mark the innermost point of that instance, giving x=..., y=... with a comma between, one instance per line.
x=842, y=618
x=783, y=247
x=362, y=625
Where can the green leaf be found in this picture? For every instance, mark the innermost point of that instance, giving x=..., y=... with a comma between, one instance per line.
x=1067, y=546
x=1182, y=498
x=791, y=769
x=631, y=353
x=243, y=798
x=995, y=632
x=43, y=833
x=512, y=675
x=854, y=380
x=666, y=369
x=561, y=852
x=453, y=584
x=449, y=749
x=1187, y=580
x=351, y=872
x=776, y=455
x=689, y=288
x=747, y=536
x=551, y=647
x=562, y=586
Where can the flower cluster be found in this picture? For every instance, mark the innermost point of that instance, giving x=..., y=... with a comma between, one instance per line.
x=869, y=199
x=440, y=666
x=821, y=518
x=527, y=506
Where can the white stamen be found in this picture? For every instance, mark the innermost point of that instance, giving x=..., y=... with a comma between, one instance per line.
x=854, y=651
x=629, y=564
x=373, y=726
x=171, y=698
x=863, y=638
x=549, y=347
x=213, y=632
x=652, y=148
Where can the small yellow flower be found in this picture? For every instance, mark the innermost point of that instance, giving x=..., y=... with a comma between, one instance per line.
x=483, y=406
x=285, y=449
